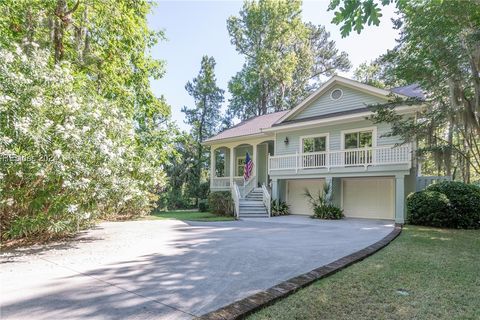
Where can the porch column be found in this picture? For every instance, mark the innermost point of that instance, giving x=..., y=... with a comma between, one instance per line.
x=400, y=199
x=212, y=164
x=274, y=189
x=255, y=161
x=232, y=161
x=329, y=182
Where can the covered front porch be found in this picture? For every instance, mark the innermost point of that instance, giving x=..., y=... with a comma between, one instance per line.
x=228, y=162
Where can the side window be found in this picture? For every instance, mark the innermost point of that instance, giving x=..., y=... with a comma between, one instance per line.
x=314, y=144
x=360, y=139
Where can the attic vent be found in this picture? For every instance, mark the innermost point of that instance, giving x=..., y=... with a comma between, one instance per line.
x=336, y=94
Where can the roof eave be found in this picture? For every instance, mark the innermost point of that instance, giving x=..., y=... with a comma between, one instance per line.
x=234, y=139
x=339, y=119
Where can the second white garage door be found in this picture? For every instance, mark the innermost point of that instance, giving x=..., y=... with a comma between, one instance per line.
x=296, y=200
x=368, y=198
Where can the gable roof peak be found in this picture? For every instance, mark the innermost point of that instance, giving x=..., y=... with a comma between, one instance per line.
x=336, y=79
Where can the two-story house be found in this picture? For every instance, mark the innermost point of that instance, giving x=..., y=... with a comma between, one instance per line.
x=324, y=139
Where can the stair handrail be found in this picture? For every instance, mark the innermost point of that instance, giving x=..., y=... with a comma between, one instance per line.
x=267, y=202
x=249, y=185
x=236, y=199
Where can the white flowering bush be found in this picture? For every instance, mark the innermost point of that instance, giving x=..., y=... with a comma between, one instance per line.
x=67, y=156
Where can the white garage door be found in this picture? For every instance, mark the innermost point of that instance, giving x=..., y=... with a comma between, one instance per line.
x=296, y=200
x=368, y=198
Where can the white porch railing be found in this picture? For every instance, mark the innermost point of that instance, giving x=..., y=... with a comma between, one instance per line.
x=267, y=202
x=220, y=183
x=236, y=199
x=223, y=183
x=385, y=155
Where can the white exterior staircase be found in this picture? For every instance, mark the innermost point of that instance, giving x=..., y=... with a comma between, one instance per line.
x=252, y=205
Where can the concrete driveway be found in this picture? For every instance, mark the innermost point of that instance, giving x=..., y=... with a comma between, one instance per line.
x=167, y=269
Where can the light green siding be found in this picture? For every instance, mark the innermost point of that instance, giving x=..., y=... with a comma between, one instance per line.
x=335, y=136
x=351, y=99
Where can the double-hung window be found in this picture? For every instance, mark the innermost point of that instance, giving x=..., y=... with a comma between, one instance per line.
x=313, y=151
x=359, y=139
x=362, y=142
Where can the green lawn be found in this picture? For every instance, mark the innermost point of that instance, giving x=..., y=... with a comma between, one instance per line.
x=426, y=273
x=189, y=215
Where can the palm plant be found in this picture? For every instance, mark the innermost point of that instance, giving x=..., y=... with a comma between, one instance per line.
x=322, y=205
x=323, y=197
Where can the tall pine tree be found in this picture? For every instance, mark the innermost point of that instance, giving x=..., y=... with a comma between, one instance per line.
x=284, y=57
x=205, y=117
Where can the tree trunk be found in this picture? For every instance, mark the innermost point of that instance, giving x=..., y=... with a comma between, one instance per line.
x=200, y=149
x=448, y=150
x=59, y=29
x=467, y=169
x=64, y=18
x=31, y=26
x=263, y=99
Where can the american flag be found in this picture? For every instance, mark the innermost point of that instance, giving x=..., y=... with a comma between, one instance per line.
x=247, y=171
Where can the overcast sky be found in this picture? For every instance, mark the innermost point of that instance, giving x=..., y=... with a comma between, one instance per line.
x=196, y=28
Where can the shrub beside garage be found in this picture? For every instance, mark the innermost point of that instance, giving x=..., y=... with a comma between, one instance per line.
x=449, y=204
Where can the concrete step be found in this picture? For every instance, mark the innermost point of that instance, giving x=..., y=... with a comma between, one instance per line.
x=254, y=216
x=252, y=210
x=251, y=202
x=252, y=207
x=246, y=209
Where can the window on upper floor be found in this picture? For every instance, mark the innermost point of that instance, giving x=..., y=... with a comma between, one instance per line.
x=314, y=144
x=358, y=139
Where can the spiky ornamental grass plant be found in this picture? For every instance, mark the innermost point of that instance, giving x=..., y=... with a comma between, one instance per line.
x=67, y=156
x=322, y=205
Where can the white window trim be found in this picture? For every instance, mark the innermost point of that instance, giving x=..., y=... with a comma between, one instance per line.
x=341, y=94
x=327, y=141
x=374, y=135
